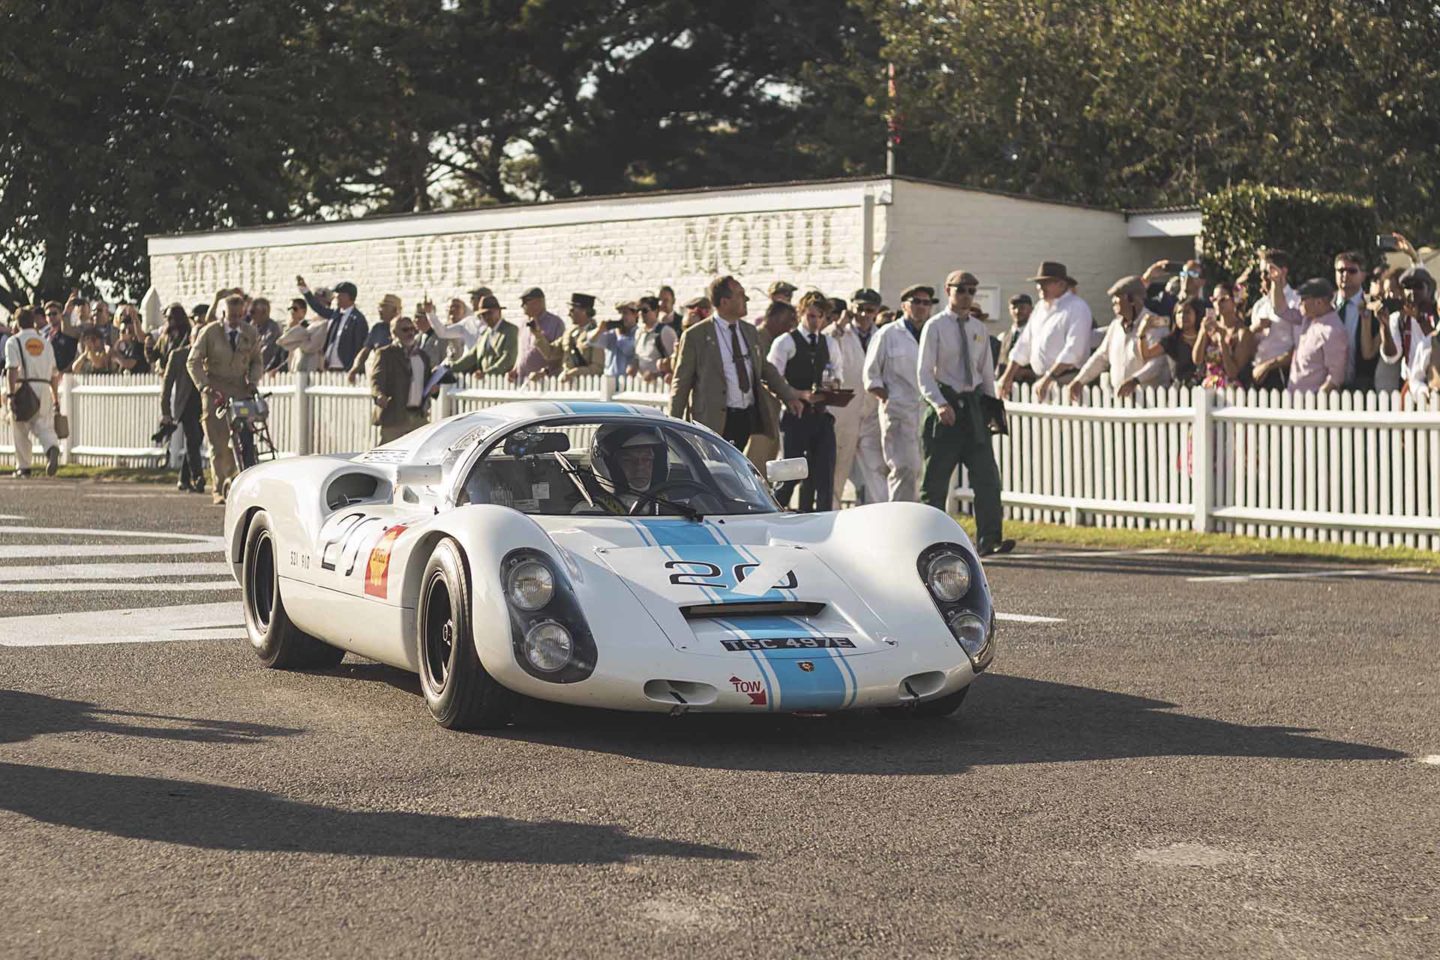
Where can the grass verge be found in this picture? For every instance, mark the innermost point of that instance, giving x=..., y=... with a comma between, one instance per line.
x=1220, y=544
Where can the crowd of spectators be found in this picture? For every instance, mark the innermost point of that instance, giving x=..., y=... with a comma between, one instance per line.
x=1170, y=325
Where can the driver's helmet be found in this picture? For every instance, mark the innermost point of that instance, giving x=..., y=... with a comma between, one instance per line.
x=611, y=439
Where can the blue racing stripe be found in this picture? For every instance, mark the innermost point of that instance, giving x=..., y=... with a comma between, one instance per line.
x=595, y=407
x=823, y=687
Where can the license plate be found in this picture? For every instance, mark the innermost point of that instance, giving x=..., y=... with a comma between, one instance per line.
x=787, y=643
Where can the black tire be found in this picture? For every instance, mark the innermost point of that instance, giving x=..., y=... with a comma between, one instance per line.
x=460, y=693
x=941, y=707
x=278, y=643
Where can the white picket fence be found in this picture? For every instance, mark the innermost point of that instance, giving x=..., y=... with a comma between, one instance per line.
x=1350, y=467
x=1346, y=467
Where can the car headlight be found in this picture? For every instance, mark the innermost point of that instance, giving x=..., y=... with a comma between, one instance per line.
x=948, y=577
x=548, y=646
x=530, y=585
x=970, y=632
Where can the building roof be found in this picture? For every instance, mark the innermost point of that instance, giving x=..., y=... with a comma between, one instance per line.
x=642, y=195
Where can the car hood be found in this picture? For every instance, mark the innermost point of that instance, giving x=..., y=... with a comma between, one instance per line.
x=717, y=587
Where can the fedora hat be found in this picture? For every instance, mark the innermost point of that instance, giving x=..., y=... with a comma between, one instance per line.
x=1050, y=270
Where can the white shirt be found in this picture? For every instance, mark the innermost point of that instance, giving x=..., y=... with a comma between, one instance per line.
x=1119, y=352
x=847, y=338
x=782, y=350
x=1351, y=321
x=1058, y=332
x=653, y=345
x=468, y=329
x=939, y=361
x=417, y=381
x=1279, y=339
x=1414, y=363
x=332, y=355
x=893, y=364
x=39, y=358
x=734, y=399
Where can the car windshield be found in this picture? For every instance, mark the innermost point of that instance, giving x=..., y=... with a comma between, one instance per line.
x=613, y=466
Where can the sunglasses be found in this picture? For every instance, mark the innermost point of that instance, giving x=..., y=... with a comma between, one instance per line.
x=922, y=302
x=962, y=288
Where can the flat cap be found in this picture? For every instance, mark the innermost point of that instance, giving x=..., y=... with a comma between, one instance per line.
x=531, y=294
x=781, y=287
x=628, y=305
x=961, y=276
x=1020, y=298
x=1131, y=286
x=866, y=295
x=697, y=303
x=909, y=292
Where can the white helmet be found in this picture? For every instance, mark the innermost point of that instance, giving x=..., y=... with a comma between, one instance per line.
x=612, y=438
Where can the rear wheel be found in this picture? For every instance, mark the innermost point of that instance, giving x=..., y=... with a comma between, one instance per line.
x=460, y=693
x=277, y=641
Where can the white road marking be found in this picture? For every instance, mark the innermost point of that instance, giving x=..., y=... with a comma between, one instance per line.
x=48, y=551
x=89, y=532
x=1432, y=759
x=208, y=621
x=11, y=516
x=137, y=572
x=1026, y=618
x=1046, y=555
x=1303, y=575
x=102, y=585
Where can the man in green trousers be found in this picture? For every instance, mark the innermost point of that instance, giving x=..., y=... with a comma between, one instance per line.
x=955, y=374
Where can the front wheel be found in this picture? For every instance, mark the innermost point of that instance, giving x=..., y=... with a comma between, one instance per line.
x=277, y=641
x=460, y=693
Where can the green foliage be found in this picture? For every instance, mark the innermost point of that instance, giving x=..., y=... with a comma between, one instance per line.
x=1311, y=226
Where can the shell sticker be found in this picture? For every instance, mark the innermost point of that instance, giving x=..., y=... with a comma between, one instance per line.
x=377, y=570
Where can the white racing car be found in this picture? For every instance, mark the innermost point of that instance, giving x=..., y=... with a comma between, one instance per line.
x=604, y=555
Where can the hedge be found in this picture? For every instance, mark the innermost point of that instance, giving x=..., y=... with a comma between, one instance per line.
x=1311, y=226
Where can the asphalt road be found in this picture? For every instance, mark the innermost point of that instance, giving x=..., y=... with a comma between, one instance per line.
x=1182, y=767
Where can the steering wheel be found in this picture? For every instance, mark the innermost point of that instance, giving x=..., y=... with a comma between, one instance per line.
x=673, y=490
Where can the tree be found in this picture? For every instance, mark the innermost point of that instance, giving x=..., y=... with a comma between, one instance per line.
x=131, y=118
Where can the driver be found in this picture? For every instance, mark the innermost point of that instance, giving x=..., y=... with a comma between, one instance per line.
x=627, y=459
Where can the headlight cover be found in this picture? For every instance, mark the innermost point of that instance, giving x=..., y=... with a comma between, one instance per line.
x=953, y=578
x=948, y=577
x=549, y=637
x=530, y=585
x=548, y=646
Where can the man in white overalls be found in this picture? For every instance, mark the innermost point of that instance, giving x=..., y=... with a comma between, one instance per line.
x=30, y=366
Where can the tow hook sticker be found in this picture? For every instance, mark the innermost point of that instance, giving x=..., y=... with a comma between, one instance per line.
x=753, y=689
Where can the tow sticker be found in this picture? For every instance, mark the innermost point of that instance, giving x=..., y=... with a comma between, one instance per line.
x=753, y=689
x=377, y=571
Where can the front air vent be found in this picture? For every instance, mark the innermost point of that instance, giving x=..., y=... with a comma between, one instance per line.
x=752, y=608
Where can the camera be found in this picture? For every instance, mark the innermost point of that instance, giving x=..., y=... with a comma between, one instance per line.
x=1386, y=243
x=162, y=436
x=613, y=324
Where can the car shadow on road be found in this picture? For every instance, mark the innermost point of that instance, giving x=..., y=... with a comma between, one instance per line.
x=216, y=817
x=1006, y=720
x=1202, y=565
x=27, y=715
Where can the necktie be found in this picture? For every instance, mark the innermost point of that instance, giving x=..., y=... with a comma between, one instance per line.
x=742, y=375
x=964, y=355
x=812, y=341
x=234, y=336
x=334, y=330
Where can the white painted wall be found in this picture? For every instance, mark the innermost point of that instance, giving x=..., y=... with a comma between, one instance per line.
x=615, y=249
x=622, y=247
x=934, y=229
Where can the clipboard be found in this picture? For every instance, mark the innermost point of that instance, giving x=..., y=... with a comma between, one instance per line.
x=832, y=398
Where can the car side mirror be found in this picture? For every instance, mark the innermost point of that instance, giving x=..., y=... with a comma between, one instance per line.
x=783, y=471
x=418, y=474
